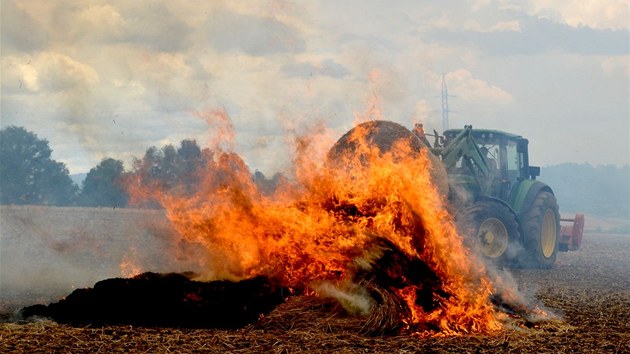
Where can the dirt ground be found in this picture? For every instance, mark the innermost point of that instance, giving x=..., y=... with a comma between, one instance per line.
x=589, y=290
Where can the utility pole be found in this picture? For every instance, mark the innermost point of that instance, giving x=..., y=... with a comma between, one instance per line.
x=444, y=104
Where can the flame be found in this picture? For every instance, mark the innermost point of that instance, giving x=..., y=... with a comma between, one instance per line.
x=314, y=227
x=373, y=111
x=128, y=265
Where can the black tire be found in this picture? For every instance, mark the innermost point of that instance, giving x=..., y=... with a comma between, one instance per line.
x=490, y=227
x=541, y=227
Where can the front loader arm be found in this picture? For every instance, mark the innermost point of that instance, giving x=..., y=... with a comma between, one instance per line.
x=464, y=147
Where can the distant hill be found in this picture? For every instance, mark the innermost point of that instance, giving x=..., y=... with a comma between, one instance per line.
x=78, y=178
x=597, y=190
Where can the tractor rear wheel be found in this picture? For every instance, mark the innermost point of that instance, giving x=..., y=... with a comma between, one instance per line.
x=541, y=226
x=491, y=228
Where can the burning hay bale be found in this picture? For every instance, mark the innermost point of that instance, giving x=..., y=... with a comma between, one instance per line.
x=382, y=134
x=165, y=300
x=386, y=136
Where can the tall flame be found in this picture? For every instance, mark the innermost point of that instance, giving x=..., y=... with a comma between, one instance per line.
x=312, y=228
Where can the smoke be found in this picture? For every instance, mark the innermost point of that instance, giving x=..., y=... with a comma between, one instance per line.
x=507, y=294
x=46, y=252
x=352, y=297
x=511, y=298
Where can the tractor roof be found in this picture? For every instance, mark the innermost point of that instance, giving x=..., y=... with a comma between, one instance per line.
x=482, y=134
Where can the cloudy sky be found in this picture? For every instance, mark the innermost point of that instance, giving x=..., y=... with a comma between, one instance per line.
x=112, y=78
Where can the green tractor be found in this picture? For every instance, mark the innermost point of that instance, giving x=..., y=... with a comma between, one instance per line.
x=514, y=217
x=508, y=215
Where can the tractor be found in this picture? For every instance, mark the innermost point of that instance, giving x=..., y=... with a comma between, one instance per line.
x=492, y=191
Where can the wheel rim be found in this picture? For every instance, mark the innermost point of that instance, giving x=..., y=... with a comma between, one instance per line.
x=548, y=234
x=493, y=238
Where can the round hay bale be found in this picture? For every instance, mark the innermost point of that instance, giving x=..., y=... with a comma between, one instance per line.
x=384, y=134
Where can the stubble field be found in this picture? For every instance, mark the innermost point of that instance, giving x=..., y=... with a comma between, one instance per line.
x=589, y=291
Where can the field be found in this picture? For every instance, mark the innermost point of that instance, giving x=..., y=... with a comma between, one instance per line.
x=588, y=290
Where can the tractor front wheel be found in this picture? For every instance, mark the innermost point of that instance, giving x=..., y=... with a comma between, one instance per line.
x=491, y=228
x=541, y=226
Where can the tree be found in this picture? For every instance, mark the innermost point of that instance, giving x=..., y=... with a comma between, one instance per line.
x=27, y=173
x=169, y=168
x=103, y=185
x=191, y=161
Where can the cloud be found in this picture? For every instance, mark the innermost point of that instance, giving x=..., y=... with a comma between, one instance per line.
x=152, y=25
x=44, y=25
x=46, y=71
x=540, y=35
x=597, y=14
x=256, y=36
x=74, y=23
x=20, y=32
x=464, y=85
x=510, y=26
x=327, y=67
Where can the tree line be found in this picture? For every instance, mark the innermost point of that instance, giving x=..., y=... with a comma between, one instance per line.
x=28, y=174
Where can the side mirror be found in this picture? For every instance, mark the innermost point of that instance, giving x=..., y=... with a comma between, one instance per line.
x=534, y=171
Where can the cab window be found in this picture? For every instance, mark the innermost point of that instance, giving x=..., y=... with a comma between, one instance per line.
x=513, y=160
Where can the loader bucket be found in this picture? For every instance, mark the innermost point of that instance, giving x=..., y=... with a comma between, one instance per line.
x=571, y=235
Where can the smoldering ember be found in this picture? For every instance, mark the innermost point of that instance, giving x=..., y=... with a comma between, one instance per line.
x=386, y=243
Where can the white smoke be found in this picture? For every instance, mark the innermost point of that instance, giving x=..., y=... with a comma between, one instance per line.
x=353, y=298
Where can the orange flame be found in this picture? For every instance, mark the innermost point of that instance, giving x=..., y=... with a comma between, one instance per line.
x=128, y=265
x=312, y=229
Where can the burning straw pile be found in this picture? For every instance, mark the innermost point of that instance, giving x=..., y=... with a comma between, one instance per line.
x=367, y=232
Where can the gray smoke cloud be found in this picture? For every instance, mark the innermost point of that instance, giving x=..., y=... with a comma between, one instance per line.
x=47, y=252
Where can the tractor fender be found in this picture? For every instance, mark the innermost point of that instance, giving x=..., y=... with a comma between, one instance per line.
x=525, y=193
x=487, y=198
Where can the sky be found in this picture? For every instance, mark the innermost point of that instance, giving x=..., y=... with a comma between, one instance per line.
x=111, y=78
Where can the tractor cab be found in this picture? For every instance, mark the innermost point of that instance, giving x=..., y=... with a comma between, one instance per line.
x=498, y=160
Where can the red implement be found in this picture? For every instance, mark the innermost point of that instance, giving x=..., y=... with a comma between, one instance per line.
x=571, y=235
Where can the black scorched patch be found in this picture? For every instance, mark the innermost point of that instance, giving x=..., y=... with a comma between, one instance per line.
x=165, y=300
